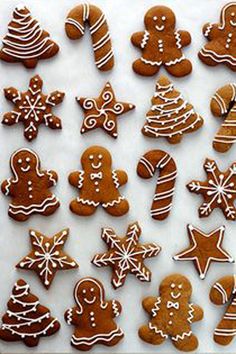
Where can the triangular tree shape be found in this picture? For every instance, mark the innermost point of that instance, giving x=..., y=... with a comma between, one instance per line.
x=171, y=115
x=26, y=320
x=26, y=41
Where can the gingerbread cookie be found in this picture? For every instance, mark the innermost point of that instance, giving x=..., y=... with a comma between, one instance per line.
x=172, y=314
x=204, y=249
x=26, y=319
x=47, y=256
x=98, y=184
x=222, y=292
x=93, y=316
x=221, y=47
x=26, y=41
x=102, y=112
x=170, y=116
x=218, y=191
x=161, y=44
x=32, y=108
x=158, y=160
x=93, y=15
x=126, y=255
x=223, y=104
x=29, y=187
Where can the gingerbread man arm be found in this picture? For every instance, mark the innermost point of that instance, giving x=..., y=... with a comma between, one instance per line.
x=119, y=177
x=210, y=30
x=185, y=38
x=196, y=313
x=76, y=179
x=137, y=39
x=115, y=307
x=52, y=178
x=149, y=303
x=7, y=187
x=72, y=316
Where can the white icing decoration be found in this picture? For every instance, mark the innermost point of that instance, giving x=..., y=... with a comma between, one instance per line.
x=145, y=39
x=178, y=39
x=113, y=202
x=33, y=208
x=105, y=337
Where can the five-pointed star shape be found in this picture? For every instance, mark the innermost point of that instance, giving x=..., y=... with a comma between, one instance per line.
x=204, y=249
x=126, y=255
x=33, y=108
x=102, y=112
x=47, y=256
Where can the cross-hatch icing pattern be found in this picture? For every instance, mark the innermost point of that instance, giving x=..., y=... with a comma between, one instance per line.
x=126, y=255
x=218, y=191
x=33, y=108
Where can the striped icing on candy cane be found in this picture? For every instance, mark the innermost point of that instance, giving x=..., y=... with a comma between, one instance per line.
x=222, y=292
x=158, y=160
x=223, y=104
x=75, y=28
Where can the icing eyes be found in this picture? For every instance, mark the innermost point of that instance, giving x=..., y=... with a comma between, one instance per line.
x=180, y=286
x=172, y=286
x=163, y=18
x=19, y=161
x=84, y=291
x=232, y=14
x=90, y=157
x=100, y=156
x=92, y=290
x=27, y=159
x=155, y=18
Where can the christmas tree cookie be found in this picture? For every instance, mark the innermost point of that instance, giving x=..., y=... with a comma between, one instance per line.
x=171, y=115
x=26, y=319
x=26, y=41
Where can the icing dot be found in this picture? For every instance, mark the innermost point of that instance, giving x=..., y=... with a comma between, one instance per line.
x=100, y=156
x=29, y=183
x=170, y=322
x=172, y=286
x=30, y=196
x=84, y=291
x=96, y=183
x=30, y=189
x=93, y=325
x=97, y=190
x=27, y=159
x=20, y=161
x=227, y=46
x=92, y=313
x=232, y=14
x=90, y=157
x=92, y=318
x=161, y=50
x=180, y=286
x=230, y=35
x=92, y=289
x=155, y=18
x=171, y=313
x=163, y=18
x=6, y=120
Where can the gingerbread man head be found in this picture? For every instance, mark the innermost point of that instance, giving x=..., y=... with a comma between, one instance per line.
x=24, y=161
x=176, y=287
x=228, y=16
x=96, y=159
x=89, y=292
x=159, y=18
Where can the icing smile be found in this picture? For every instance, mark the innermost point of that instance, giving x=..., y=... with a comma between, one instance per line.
x=90, y=301
x=160, y=28
x=233, y=23
x=96, y=166
x=175, y=296
x=26, y=169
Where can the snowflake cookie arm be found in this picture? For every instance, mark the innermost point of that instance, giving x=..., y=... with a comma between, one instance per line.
x=76, y=179
x=72, y=316
x=7, y=187
x=195, y=313
x=13, y=95
x=119, y=177
x=210, y=30
x=52, y=178
x=185, y=38
x=115, y=307
x=139, y=39
x=149, y=303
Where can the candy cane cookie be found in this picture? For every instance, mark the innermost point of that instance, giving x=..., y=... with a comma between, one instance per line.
x=223, y=104
x=222, y=292
x=158, y=160
x=75, y=28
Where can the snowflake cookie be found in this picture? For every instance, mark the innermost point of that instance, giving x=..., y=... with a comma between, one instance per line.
x=47, y=256
x=126, y=255
x=218, y=191
x=32, y=108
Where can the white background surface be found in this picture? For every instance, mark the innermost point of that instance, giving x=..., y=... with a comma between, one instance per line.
x=73, y=71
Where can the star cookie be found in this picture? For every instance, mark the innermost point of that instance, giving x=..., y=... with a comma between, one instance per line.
x=126, y=255
x=218, y=191
x=47, y=256
x=33, y=108
x=102, y=112
x=204, y=249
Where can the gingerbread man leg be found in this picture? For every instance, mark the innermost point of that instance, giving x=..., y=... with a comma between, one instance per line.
x=150, y=336
x=50, y=209
x=19, y=216
x=115, y=208
x=184, y=340
x=144, y=69
x=79, y=208
x=182, y=68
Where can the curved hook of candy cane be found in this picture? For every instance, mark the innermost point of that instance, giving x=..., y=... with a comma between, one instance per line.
x=158, y=160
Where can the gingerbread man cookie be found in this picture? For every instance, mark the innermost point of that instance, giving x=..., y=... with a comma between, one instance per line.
x=172, y=314
x=221, y=48
x=98, y=184
x=161, y=44
x=29, y=187
x=26, y=41
x=223, y=292
x=33, y=108
x=93, y=316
